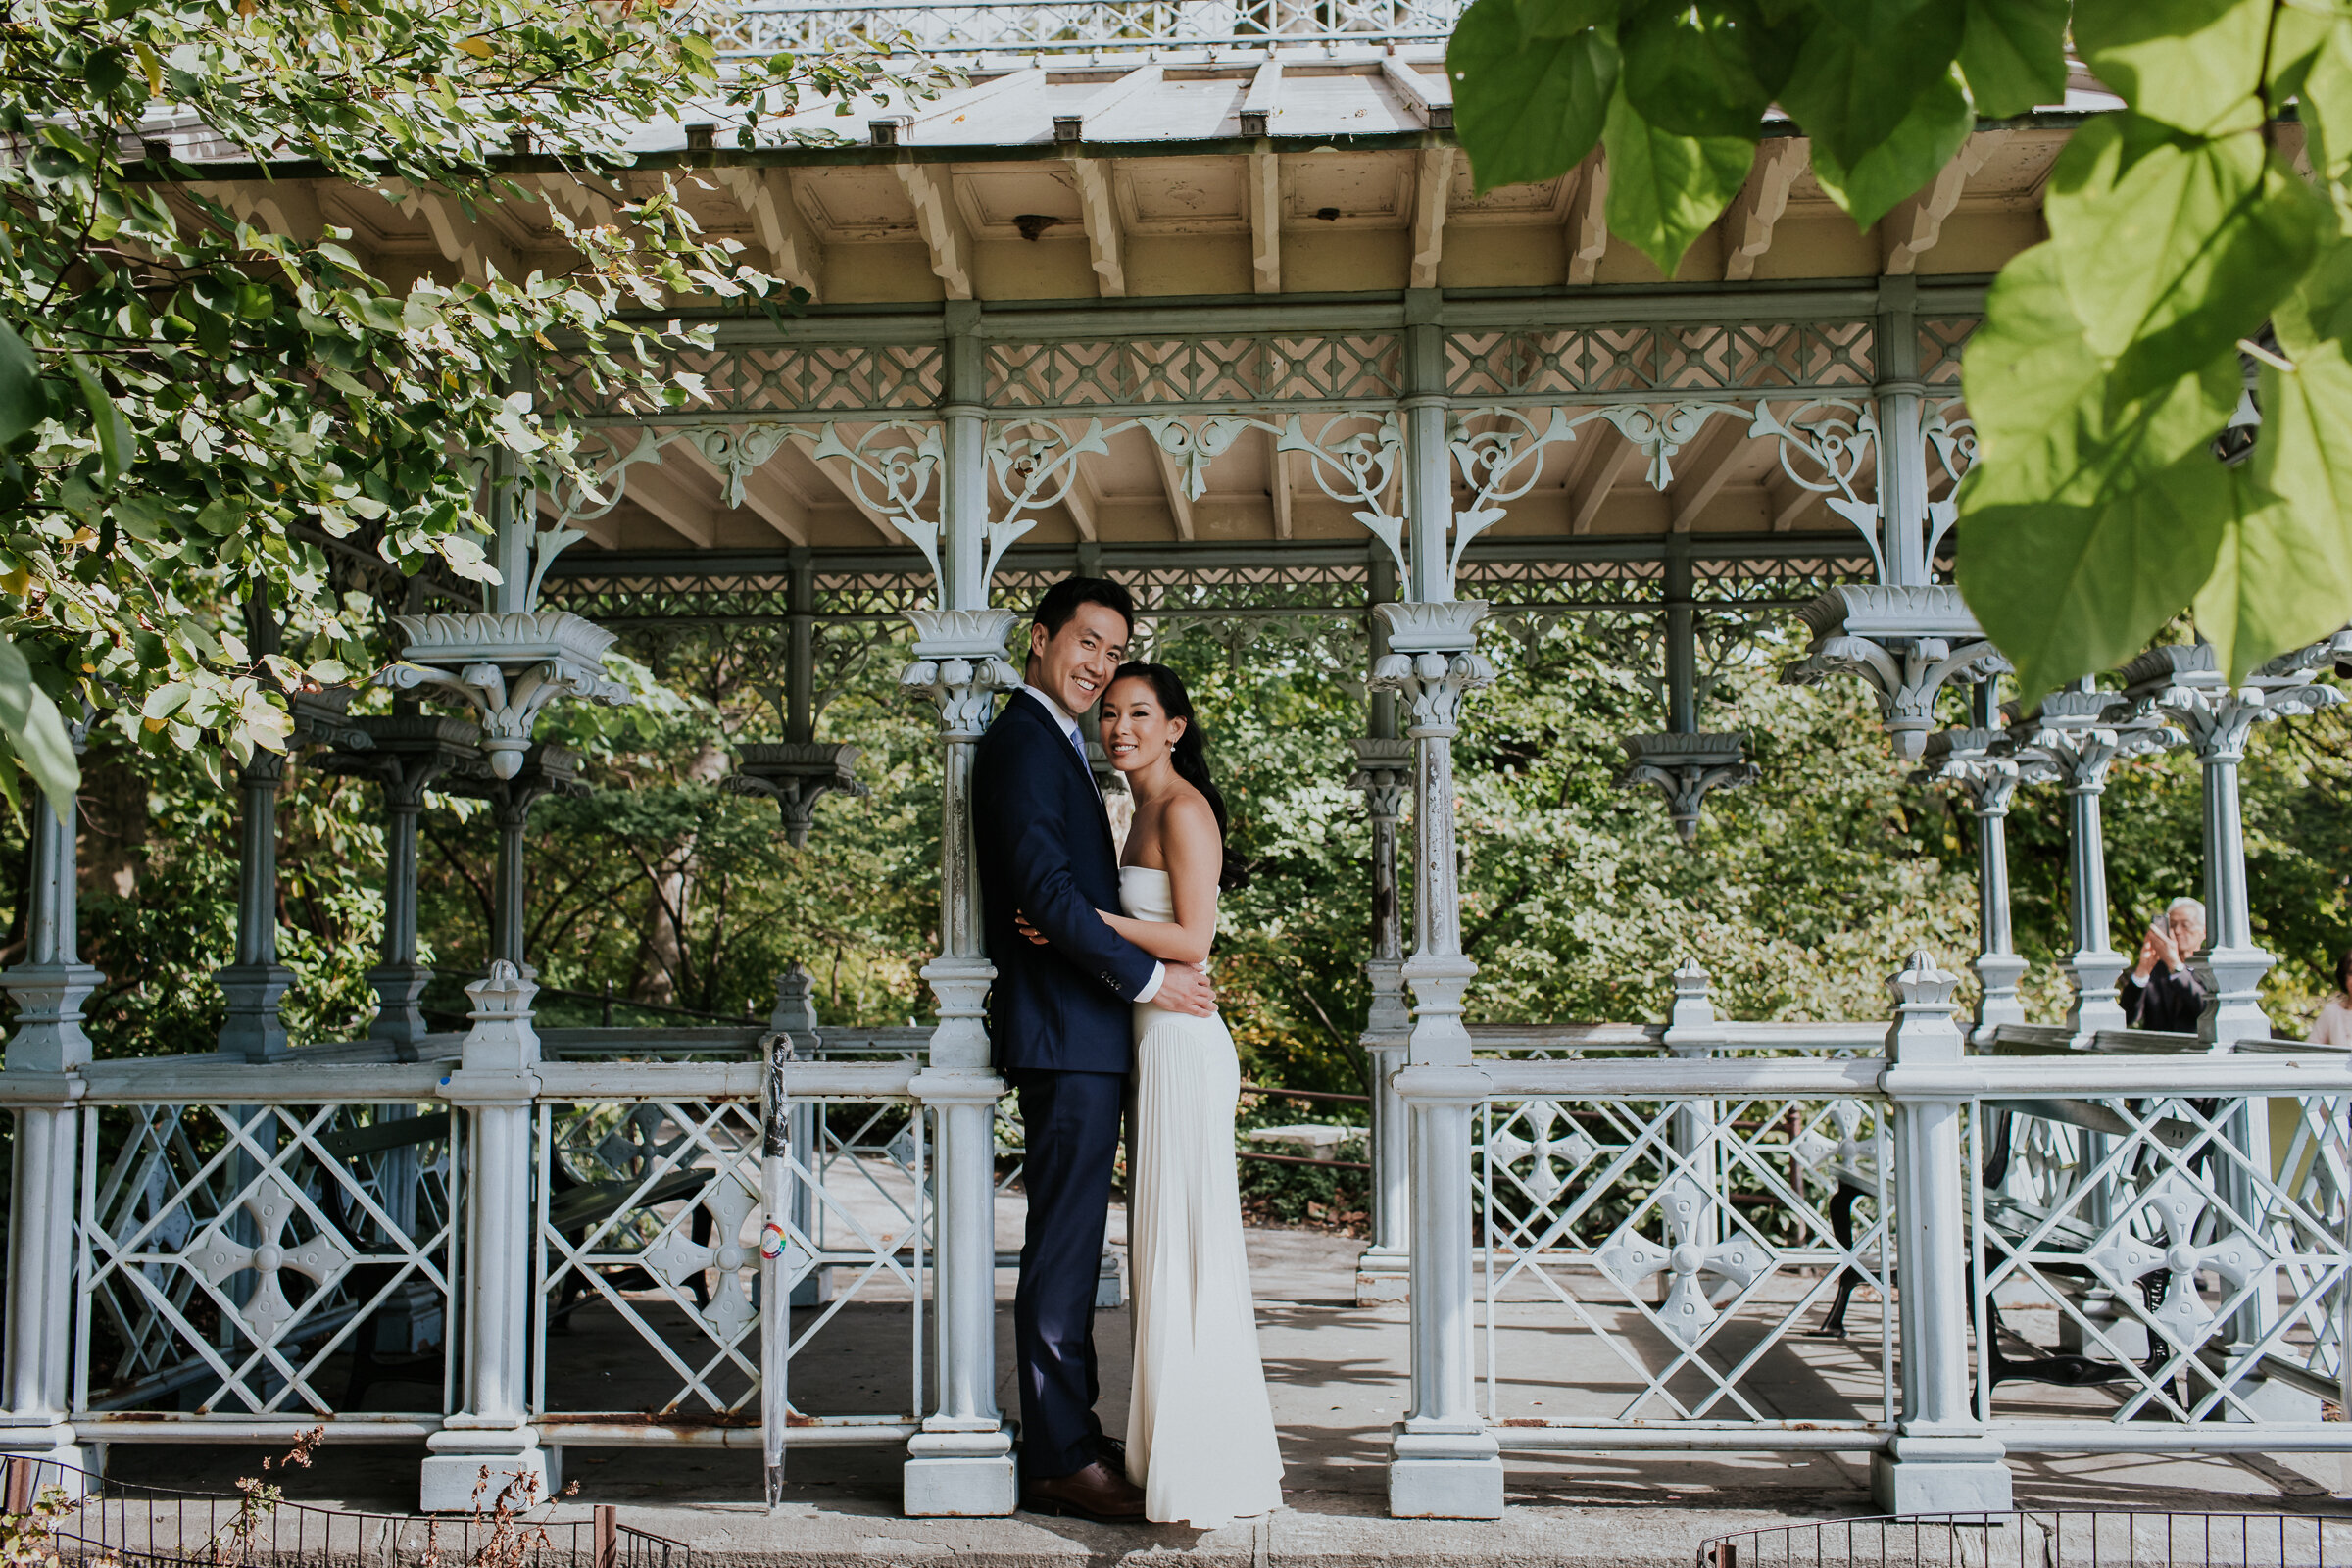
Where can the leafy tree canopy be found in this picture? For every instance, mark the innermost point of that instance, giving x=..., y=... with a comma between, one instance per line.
x=2188, y=264
x=193, y=405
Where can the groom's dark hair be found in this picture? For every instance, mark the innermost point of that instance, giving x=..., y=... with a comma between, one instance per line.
x=1061, y=602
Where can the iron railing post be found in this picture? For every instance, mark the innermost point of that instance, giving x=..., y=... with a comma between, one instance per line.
x=1941, y=1458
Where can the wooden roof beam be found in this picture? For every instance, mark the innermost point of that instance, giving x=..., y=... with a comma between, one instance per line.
x=1081, y=502
x=1585, y=501
x=1263, y=100
x=471, y=243
x=1280, y=469
x=1105, y=242
x=1912, y=229
x=1747, y=226
x=1588, y=224
x=843, y=479
x=1265, y=178
x=1171, y=483
x=1431, y=97
x=942, y=225
x=673, y=499
x=1433, y=185
x=793, y=252
x=766, y=494
x=1094, y=115
x=1696, y=486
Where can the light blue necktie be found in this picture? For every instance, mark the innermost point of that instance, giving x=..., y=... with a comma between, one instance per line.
x=1084, y=761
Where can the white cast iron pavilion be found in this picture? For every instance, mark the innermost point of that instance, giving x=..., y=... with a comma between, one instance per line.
x=1199, y=295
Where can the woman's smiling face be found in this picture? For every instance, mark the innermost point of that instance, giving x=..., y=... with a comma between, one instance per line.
x=1137, y=730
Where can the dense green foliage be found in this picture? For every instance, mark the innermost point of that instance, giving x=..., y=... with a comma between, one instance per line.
x=195, y=405
x=2188, y=262
x=1804, y=892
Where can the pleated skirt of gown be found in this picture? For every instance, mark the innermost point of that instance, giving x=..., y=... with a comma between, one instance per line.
x=1200, y=1429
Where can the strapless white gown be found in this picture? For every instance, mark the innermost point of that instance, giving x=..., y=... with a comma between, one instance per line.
x=1200, y=1431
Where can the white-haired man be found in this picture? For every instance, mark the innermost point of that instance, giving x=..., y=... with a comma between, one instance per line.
x=2161, y=992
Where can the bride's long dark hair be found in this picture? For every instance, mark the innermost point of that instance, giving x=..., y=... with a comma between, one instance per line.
x=1191, y=758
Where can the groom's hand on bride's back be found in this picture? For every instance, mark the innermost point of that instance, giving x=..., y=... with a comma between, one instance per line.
x=1185, y=989
x=1182, y=988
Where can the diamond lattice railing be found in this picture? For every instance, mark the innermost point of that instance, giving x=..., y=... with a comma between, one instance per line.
x=2188, y=1260
x=257, y=1260
x=1702, y=1245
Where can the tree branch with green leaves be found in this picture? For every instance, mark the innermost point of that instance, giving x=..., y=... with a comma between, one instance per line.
x=2189, y=268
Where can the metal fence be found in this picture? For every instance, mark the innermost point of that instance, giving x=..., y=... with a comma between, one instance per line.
x=2082, y=1538
x=85, y=1518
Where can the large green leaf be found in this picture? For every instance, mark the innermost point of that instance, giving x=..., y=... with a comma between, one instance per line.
x=2065, y=591
x=2284, y=577
x=37, y=732
x=1864, y=64
x=1561, y=18
x=23, y=402
x=2172, y=248
x=2013, y=55
x=2192, y=63
x=1526, y=110
x=116, y=442
x=1706, y=70
x=1664, y=189
x=2052, y=425
x=2326, y=106
x=1929, y=137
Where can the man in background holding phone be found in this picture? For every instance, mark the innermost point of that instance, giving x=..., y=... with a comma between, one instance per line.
x=2161, y=992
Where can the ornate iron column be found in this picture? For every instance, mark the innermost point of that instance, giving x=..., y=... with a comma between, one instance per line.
x=45, y=1052
x=1685, y=764
x=1983, y=763
x=2082, y=731
x=2184, y=686
x=1444, y=1463
x=798, y=772
x=961, y=1461
x=493, y=1089
x=1941, y=1459
x=1907, y=636
x=257, y=982
x=407, y=753
x=1384, y=770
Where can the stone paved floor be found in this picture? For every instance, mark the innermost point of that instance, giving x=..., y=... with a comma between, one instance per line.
x=1337, y=1381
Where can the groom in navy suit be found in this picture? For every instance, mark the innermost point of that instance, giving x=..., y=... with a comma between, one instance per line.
x=1060, y=1016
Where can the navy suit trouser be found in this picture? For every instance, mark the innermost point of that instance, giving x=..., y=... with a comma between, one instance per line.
x=1070, y=1126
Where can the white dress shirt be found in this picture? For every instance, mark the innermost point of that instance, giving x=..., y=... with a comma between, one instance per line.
x=1069, y=727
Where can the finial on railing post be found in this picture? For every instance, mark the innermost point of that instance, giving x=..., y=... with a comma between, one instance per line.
x=1692, y=1026
x=502, y=1038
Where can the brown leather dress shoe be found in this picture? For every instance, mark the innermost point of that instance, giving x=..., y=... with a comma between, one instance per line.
x=1094, y=1492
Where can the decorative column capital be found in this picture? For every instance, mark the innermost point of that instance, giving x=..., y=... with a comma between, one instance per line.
x=959, y=666
x=2182, y=683
x=406, y=752
x=1905, y=643
x=1433, y=683
x=505, y=666
x=1384, y=771
x=1685, y=769
x=2080, y=735
x=796, y=775
x=1987, y=764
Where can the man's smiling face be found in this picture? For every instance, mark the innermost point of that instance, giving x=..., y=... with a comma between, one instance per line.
x=1077, y=662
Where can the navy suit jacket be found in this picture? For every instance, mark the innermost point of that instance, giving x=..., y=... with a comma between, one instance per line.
x=1045, y=851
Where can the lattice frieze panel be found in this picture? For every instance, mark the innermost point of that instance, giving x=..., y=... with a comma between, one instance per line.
x=1177, y=591
x=1777, y=581
x=247, y=1261
x=1075, y=26
x=1600, y=362
x=1565, y=584
x=2168, y=1244
x=780, y=379
x=616, y=598
x=1221, y=372
x=1658, y=1253
x=1940, y=342
x=648, y=1254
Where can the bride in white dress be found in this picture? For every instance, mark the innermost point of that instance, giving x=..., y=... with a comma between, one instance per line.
x=1200, y=1431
